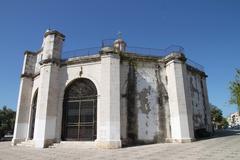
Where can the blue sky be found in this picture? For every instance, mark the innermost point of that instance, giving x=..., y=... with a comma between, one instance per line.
x=209, y=31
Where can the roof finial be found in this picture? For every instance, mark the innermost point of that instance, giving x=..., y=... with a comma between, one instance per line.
x=48, y=29
x=119, y=35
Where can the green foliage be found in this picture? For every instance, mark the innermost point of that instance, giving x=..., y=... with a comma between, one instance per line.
x=235, y=90
x=224, y=122
x=216, y=114
x=7, y=119
x=217, y=117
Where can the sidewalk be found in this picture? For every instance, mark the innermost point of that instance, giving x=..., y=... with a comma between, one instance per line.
x=225, y=145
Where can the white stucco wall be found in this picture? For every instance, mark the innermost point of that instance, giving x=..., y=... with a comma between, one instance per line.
x=148, y=120
x=199, y=100
x=91, y=71
x=147, y=101
x=38, y=59
x=29, y=63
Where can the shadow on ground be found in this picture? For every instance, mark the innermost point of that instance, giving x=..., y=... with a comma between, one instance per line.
x=222, y=133
x=226, y=132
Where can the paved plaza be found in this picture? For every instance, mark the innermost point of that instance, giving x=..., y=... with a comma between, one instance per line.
x=223, y=146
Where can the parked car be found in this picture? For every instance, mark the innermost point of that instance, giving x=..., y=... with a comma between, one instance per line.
x=7, y=137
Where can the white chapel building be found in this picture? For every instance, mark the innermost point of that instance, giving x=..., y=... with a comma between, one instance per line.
x=115, y=97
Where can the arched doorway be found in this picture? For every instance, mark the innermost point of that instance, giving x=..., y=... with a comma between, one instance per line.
x=33, y=114
x=80, y=111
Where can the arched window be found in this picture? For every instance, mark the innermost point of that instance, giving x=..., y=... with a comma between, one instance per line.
x=80, y=110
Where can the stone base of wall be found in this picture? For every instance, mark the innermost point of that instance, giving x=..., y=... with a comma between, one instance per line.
x=108, y=144
x=184, y=140
x=16, y=141
x=58, y=140
x=44, y=143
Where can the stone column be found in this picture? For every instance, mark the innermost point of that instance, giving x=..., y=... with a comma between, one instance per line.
x=180, y=109
x=108, y=122
x=48, y=93
x=24, y=102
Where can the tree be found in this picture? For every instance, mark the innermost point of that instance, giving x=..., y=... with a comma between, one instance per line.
x=224, y=122
x=235, y=90
x=216, y=114
x=217, y=118
x=7, y=119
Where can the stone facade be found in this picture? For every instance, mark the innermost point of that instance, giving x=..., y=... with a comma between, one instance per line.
x=139, y=99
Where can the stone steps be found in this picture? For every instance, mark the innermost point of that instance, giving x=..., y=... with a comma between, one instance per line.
x=74, y=144
x=28, y=143
x=63, y=144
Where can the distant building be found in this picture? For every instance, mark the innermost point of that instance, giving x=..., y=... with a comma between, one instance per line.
x=234, y=119
x=114, y=97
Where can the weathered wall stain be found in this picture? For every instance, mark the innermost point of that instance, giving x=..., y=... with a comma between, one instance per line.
x=204, y=103
x=132, y=125
x=148, y=103
x=30, y=63
x=143, y=98
x=163, y=112
x=198, y=119
x=198, y=101
x=193, y=89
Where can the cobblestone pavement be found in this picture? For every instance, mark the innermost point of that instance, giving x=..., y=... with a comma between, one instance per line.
x=225, y=145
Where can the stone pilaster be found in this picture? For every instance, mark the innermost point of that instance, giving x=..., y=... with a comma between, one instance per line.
x=46, y=114
x=180, y=109
x=108, y=128
x=24, y=103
